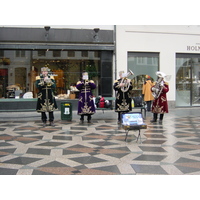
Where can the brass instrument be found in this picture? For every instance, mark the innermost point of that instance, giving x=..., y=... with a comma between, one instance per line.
x=158, y=87
x=125, y=81
x=45, y=80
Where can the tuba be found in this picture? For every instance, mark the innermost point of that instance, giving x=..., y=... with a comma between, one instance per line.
x=157, y=88
x=126, y=86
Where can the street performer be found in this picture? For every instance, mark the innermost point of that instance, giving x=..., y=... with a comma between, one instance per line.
x=86, y=103
x=122, y=86
x=46, y=101
x=159, y=91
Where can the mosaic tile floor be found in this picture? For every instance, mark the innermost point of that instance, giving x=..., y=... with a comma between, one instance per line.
x=71, y=148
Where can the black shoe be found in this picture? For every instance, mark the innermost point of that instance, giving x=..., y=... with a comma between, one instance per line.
x=51, y=124
x=160, y=121
x=89, y=121
x=153, y=120
x=81, y=121
x=44, y=124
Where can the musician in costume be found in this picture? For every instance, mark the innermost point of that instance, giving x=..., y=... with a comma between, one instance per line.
x=122, y=87
x=146, y=92
x=46, y=101
x=85, y=104
x=159, y=91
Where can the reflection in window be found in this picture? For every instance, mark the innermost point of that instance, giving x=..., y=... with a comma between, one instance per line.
x=56, y=53
x=41, y=53
x=71, y=53
x=1, y=53
x=20, y=53
x=66, y=70
x=84, y=53
x=142, y=64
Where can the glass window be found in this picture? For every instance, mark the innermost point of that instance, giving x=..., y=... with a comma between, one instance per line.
x=71, y=53
x=20, y=53
x=41, y=53
x=84, y=53
x=1, y=53
x=187, y=80
x=56, y=53
x=20, y=72
x=142, y=64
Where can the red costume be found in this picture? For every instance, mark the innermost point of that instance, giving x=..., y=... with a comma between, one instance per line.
x=160, y=104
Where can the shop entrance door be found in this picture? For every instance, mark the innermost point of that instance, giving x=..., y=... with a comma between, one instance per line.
x=187, y=80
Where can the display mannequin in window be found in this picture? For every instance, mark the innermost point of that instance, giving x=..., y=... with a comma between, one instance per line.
x=147, y=93
x=123, y=97
x=86, y=103
x=159, y=91
x=46, y=100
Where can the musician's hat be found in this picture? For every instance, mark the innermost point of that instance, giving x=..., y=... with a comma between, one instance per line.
x=148, y=77
x=45, y=69
x=160, y=74
x=121, y=72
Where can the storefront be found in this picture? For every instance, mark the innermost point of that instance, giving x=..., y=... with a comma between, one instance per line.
x=173, y=50
x=67, y=52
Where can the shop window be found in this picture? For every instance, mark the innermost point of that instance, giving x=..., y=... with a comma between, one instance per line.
x=41, y=53
x=66, y=70
x=84, y=53
x=96, y=54
x=142, y=64
x=187, y=80
x=20, y=53
x=71, y=53
x=1, y=53
x=56, y=53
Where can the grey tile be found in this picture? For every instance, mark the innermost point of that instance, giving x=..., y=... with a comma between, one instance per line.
x=21, y=160
x=152, y=149
x=149, y=169
x=39, y=151
x=150, y=157
x=6, y=171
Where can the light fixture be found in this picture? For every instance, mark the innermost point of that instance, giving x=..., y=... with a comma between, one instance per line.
x=96, y=30
x=47, y=28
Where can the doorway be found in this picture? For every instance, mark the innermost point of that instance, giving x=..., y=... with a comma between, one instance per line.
x=187, y=80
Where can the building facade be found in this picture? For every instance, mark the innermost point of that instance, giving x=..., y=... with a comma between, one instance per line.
x=103, y=51
x=174, y=50
x=66, y=51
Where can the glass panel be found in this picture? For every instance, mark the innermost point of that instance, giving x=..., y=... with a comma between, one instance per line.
x=142, y=64
x=196, y=82
x=18, y=69
x=183, y=81
x=187, y=80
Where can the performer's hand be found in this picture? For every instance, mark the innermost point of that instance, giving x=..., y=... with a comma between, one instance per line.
x=45, y=78
x=121, y=84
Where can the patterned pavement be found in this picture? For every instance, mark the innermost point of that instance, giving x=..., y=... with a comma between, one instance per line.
x=71, y=148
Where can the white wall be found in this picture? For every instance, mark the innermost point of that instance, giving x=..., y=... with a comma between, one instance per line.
x=166, y=40
x=102, y=27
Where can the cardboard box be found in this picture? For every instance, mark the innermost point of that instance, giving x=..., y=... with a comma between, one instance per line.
x=72, y=96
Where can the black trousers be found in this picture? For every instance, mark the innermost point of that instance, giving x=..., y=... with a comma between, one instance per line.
x=89, y=117
x=44, y=116
x=119, y=115
x=148, y=105
x=155, y=116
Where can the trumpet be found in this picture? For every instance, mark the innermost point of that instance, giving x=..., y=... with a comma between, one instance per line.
x=125, y=81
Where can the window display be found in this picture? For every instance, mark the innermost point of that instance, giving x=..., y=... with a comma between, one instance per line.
x=66, y=67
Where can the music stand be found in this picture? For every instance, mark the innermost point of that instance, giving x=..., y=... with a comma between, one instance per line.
x=132, y=121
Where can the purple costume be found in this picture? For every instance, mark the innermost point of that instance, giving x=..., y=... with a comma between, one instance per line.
x=86, y=103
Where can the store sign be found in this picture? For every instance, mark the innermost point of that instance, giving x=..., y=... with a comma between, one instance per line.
x=193, y=48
